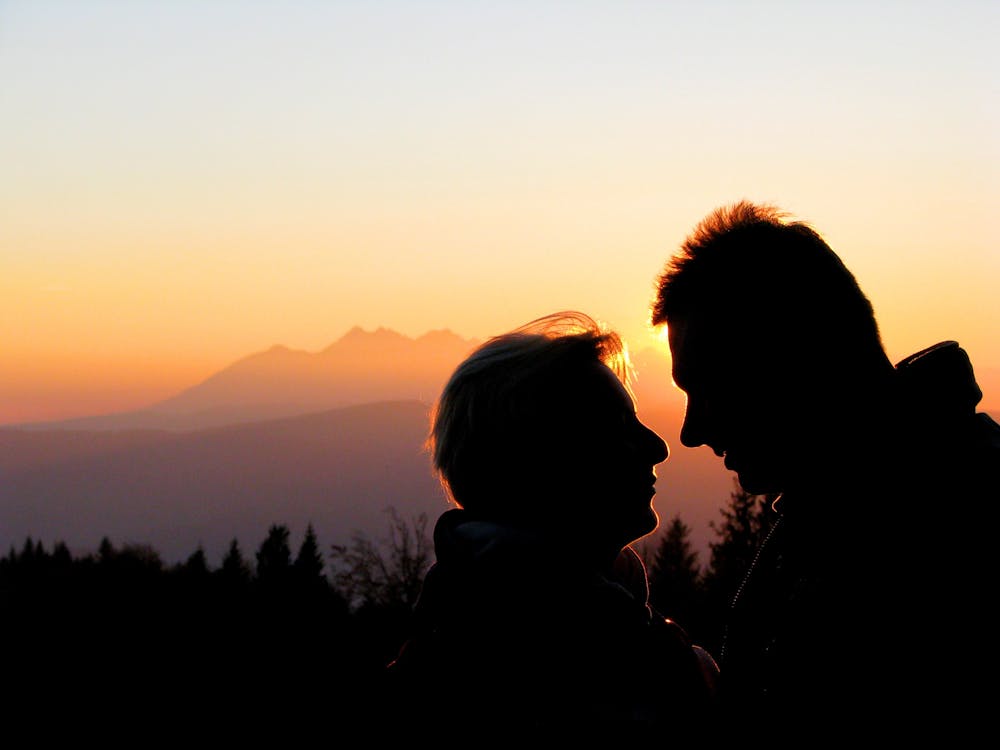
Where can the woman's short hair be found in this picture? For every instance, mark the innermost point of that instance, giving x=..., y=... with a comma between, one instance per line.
x=490, y=412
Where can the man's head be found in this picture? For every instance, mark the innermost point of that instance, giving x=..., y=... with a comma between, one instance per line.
x=537, y=428
x=772, y=340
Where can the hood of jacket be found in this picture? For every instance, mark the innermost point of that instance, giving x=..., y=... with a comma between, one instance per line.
x=487, y=570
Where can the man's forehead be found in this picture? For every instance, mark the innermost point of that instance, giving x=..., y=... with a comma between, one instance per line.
x=699, y=336
x=712, y=350
x=700, y=346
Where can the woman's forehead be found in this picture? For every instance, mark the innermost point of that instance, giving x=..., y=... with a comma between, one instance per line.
x=595, y=384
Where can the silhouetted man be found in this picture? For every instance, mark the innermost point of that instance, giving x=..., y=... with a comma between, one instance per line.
x=864, y=608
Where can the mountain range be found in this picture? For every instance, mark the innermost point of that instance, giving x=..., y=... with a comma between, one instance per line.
x=360, y=367
x=175, y=491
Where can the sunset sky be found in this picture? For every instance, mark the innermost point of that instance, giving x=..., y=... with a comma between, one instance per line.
x=183, y=183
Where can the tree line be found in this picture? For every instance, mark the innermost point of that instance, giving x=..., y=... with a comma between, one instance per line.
x=302, y=634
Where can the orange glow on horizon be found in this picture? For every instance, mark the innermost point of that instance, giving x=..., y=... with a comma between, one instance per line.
x=66, y=387
x=156, y=228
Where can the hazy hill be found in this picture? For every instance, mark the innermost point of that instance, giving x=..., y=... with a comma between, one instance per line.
x=338, y=470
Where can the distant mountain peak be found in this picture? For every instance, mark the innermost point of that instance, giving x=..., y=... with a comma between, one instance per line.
x=360, y=367
x=387, y=339
x=358, y=336
x=442, y=335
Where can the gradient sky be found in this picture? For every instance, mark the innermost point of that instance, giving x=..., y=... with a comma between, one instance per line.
x=183, y=183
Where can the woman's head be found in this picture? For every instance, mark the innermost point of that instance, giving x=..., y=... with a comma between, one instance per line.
x=537, y=427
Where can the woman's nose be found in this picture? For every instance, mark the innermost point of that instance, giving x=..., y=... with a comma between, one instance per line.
x=657, y=446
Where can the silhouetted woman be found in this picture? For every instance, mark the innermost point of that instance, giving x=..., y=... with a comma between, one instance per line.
x=535, y=613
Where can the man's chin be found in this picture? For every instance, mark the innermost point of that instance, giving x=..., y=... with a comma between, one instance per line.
x=754, y=484
x=644, y=526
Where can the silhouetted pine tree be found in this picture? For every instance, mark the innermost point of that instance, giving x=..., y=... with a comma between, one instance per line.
x=193, y=597
x=323, y=646
x=61, y=556
x=31, y=552
x=196, y=565
x=235, y=571
x=746, y=520
x=105, y=551
x=675, y=589
x=272, y=622
x=234, y=636
x=309, y=564
x=274, y=557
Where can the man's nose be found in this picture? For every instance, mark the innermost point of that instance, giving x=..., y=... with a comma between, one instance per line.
x=694, y=425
